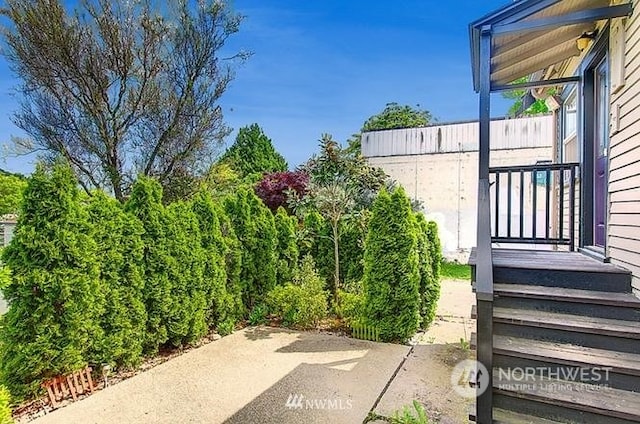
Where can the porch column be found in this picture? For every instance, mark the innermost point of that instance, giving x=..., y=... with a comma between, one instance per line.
x=484, y=266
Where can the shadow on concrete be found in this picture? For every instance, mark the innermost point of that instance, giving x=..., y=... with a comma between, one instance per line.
x=311, y=393
x=310, y=343
x=262, y=332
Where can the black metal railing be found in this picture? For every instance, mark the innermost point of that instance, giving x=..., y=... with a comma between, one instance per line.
x=534, y=204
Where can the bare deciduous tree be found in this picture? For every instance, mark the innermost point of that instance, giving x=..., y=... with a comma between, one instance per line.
x=122, y=87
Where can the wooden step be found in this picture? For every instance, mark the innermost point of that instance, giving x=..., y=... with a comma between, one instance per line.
x=576, y=323
x=502, y=416
x=593, y=332
x=568, y=401
x=619, y=306
x=556, y=269
x=623, y=300
x=617, y=369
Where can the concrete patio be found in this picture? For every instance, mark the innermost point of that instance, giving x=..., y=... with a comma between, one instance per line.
x=257, y=375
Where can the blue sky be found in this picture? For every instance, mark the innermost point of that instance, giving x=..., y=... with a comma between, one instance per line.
x=327, y=65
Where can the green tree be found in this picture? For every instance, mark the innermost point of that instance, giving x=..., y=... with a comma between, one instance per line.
x=342, y=184
x=145, y=203
x=517, y=108
x=11, y=188
x=435, y=249
x=253, y=153
x=120, y=250
x=287, y=246
x=353, y=232
x=391, y=269
x=55, y=295
x=120, y=88
x=233, y=267
x=220, y=303
x=187, y=319
x=393, y=116
x=333, y=201
x=314, y=239
x=429, y=258
x=254, y=225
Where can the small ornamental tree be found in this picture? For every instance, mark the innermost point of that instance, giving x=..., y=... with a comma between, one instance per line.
x=253, y=153
x=219, y=302
x=275, y=188
x=391, y=270
x=145, y=203
x=55, y=297
x=120, y=251
x=254, y=226
x=287, y=248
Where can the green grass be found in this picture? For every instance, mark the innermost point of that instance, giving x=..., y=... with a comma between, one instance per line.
x=455, y=270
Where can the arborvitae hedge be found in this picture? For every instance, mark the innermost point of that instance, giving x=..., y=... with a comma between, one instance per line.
x=429, y=287
x=187, y=319
x=5, y=411
x=315, y=240
x=120, y=251
x=254, y=226
x=435, y=249
x=391, y=270
x=145, y=203
x=287, y=246
x=233, y=268
x=352, y=238
x=55, y=295
x=220, y=303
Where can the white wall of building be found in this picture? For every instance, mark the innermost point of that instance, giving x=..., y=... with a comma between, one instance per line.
x=438, y=165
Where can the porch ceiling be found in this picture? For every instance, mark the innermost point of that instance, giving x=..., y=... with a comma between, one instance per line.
x=531, y=35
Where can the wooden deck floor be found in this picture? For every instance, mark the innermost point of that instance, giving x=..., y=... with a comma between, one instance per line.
x=547, y=260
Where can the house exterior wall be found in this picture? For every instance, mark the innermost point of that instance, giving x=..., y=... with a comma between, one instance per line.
x=623, y=242
x=438, y=165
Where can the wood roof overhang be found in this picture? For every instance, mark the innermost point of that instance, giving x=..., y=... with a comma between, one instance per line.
x=529, y=36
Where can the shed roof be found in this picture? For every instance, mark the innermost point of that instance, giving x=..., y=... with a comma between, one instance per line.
x=528, y=36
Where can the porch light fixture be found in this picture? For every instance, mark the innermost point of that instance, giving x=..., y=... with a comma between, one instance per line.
x=586, y=38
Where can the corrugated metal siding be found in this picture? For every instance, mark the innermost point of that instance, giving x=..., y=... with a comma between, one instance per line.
x=624, y=161
x=506, y=134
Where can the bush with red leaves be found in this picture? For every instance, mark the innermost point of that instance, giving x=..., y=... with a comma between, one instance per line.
x=274, y=187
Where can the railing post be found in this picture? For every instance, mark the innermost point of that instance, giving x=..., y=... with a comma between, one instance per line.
x=484, y=263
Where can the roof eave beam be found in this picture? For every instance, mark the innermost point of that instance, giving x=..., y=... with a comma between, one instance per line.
x=588, y=15
x=536, y=84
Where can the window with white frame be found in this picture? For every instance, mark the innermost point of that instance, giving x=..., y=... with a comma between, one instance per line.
x=569, y=127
